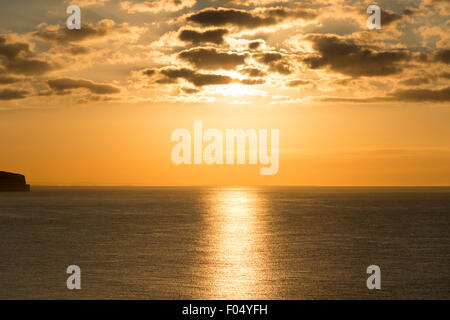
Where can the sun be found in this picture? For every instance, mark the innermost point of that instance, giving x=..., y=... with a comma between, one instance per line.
x=235, y=90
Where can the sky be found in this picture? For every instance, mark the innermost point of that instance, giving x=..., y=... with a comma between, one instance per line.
x=354, y=107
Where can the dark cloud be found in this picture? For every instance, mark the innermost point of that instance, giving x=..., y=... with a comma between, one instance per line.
x=149, y=72
x=252, y=82
x=346, y=57
x=248, y=3
x=11, y=51
x=64, y=36
x=253, y=72
x=297, y=83
x=190, y=90
x=78, y=50
x=445, y=75
x=208, y=36
x=222, y=17
x=248, y=19
x=211, y=59
x=443, y=55
x=388, y=17
x=67, y=36
x=281, y=68
x=64, y=84
x=172, y=75
x=17, y=58
x=201, y=80
x=410, y=11
x=255, y=44
x=198, y=79
x=13, y=94
x=270, y=57
x=415, y=81
x=276, y=62
x=4, y=79
x=286, y=13
x=29, y=66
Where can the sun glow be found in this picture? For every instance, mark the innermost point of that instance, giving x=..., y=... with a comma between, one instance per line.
x=235, y=90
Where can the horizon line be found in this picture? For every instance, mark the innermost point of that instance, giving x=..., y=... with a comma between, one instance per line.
x=238, y=186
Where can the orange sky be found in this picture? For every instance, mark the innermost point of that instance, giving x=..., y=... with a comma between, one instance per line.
x=353, y=106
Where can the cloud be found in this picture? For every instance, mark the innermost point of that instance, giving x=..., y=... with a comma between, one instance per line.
x=409, y=95
x=5, y=79
x=77, y=50
x=347, y=57
x=155, y=6
x=94, y=98
x=190, y=90
x=12, y=50
x=298, y=83
x=251, y=82
x=223, y=17
x=422, y=95
x=149, y=72
x=171, y=75
x=388, y=17
x=105, y=30
x=410, y=11
x=281, y=68
x=253, y=72
x=17, y=58
x=249, y=3
x=64, y=84
x=211, y=59
x=443, y=55
x=270, y=57
x=13, y=94
x=197, y=37
x=415, y=81
x=248, y=19
x=87, y=3
x=28, y=66
x=276, y=62
x=255, y=44
x=322, y=47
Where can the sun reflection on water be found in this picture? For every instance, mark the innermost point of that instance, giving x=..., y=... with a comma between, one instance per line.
x=237, y=244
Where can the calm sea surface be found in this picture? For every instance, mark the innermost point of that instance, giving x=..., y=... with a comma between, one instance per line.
x=225, y=243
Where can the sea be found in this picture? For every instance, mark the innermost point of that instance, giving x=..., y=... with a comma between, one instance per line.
x=225, y=242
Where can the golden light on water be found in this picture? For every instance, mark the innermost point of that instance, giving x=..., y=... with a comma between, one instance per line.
x=237, y=244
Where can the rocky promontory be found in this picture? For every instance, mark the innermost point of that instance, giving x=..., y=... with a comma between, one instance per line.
x=13, y=182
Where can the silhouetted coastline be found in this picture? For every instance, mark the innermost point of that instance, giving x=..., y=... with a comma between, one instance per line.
x=13, y=182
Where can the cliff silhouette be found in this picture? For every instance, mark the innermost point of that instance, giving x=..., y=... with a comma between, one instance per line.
x=13, y=182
